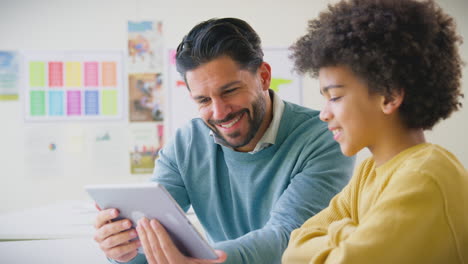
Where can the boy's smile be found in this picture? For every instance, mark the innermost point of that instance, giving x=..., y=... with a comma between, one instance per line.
x=352, y=114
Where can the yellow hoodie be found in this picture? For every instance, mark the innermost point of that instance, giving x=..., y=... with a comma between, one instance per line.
x=412, y=209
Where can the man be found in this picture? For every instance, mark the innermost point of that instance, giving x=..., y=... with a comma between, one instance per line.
x=253, y=167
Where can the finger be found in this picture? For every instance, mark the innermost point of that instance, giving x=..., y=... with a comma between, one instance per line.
x=104, y=216
x=97, y=207
x=222, y=257
x=171, y=251
x=166, y=243
x=161, y=254
x=124, y=252
x=118, y=239
x=147, y=247
x=111, y=229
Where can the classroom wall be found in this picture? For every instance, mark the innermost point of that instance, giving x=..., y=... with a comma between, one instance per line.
x=101, y=25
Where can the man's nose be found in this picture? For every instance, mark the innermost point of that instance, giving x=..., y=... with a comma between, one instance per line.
x=220, y=109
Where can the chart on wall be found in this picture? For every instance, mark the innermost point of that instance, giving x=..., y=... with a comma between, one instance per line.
x=284, y=82
x=72, y=85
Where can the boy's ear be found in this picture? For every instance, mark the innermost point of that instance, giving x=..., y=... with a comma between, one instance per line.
x=390, y=104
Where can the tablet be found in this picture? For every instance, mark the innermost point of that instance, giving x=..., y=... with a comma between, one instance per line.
x=151, y=200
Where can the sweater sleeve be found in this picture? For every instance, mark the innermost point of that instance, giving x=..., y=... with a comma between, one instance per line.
x=325, y=173
x=139, y=259
x=168, y=173
x=408, y=224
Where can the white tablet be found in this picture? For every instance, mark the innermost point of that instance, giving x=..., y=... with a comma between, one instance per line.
x=153, y=201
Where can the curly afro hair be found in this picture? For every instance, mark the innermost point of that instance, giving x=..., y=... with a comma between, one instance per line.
x=394, y=45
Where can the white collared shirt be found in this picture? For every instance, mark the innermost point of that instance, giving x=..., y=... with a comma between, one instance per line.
x=269, y=137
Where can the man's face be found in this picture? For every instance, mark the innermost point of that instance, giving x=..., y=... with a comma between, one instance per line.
x=231, y=101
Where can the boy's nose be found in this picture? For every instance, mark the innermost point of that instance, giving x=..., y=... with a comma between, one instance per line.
x=325, y=114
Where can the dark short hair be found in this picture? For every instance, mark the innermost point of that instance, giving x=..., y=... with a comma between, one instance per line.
x=214, y=38
x=394, y=45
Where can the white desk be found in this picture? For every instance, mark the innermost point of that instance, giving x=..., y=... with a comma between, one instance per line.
x=64, y=219
x=59, y=251
x=54, y=234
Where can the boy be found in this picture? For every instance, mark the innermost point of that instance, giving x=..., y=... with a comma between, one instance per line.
x=389, y=70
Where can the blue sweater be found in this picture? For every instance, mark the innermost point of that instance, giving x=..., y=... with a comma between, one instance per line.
x=250, y=203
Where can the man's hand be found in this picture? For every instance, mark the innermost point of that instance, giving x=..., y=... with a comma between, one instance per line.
x=159, y=248
x=114, y=237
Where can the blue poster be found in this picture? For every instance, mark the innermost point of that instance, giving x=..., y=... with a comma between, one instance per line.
x=9, y=75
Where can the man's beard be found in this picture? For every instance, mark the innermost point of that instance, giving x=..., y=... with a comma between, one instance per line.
x=259, y=110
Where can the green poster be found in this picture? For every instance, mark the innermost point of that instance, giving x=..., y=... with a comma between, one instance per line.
x=37, y=103
x=109, y=102
x=37, y=74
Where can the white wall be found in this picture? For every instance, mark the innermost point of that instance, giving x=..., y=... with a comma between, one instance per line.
x=101, y=25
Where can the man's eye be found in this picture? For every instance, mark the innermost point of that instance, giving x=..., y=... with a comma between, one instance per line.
x=230, y=90
x=204, y=101
x=334, y=99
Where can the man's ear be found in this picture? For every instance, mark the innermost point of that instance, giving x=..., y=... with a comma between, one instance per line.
x=265, y=75
x=391, y=103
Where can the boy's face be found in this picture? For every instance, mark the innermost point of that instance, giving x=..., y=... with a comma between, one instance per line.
x=353, y=115
x=231, y=101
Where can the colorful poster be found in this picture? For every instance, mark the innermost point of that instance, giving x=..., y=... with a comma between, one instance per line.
x=284, y=82
x=145, y=46
x=9, y=75
x=73, y=86
x=146, y=97
x=146, y=141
